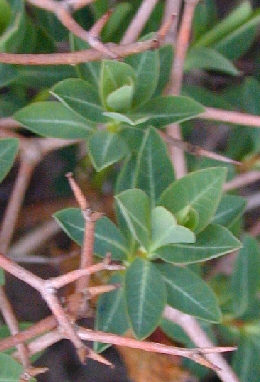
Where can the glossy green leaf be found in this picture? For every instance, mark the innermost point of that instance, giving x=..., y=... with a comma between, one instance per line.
x=111, y=313
x=53, y=119
x=72, y=222
x=143, y=287
x=114, y=75
x=200, y=190
x=169, y=109
x=14, y=32
x=245, y=277
x=8, y=152
x=234, y=19
x=119, y=117
x=5, y=15
x=211, y=243
x=10, y=370
x=44, y=76
x=188, y=293
x=146, y=66
x=8, y=74
x=205, y=16
x=246, y=360
x=209, y=59
x=88, y=71
x=2, y=277
x=165, y=64
x=117, y=22
x=165, y=230
x=106, y=148
x=153, y=169
x=150, y=170
x=134, y=206
x=108, y=239
x=121, y=98
x=229, y=210
x=81, y=97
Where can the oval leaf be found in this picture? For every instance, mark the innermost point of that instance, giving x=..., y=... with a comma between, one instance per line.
x=8, y=152
x=229, y=210
x=169, y=109
x=108, y=238
x=188, y=293
x=165, y=230
x=200, y=190
x=10, y=370
x=134, y=205
x=72, y=222
x=145, y=297
x=213, y=242
x=106, y=148
x=52, y=119
x=111, y=313
x=80, y=97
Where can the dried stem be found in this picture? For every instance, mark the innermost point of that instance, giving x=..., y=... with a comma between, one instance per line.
x=191, y=327
x=181, y=48
x=12, y=324
x=242, y=180
x=235, y=117
x=29, y=158
x=172, y=8
x=139, y=21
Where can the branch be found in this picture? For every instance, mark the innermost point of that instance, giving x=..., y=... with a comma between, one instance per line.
x=191, y=327
x=235, y=117
x=181, y=48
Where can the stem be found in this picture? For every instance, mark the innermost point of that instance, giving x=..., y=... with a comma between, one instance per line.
x=191, y=327
x=235, y=117
x=139, y=21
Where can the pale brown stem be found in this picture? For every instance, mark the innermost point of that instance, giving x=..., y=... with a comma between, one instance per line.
x=242, y=180
x=139, y=21
x=29, y=159
x=182, y=43
x=235, y=117
x=77, y=4
x=172, y=8
x=12, y=324
x=191, y=327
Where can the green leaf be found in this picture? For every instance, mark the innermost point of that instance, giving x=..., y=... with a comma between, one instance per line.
x=117, y=22
x=8, y=152
x=166, y=59
x=161, y=111
x=153, y=170
x=165, y=230
x=2, y=277
x=10, y=370
x=150, y=170
x=14, y=33
x=246, y=361
x=143, y=287
x=209, y=59
x=88, y=71
x=114, y=75
x=8, y=74
x=72, y=222
x=188, y=293
x=245, y=276
x=121, y=98
x=5, y=15
x=146, y=66
x=200, y=190
x=205, y=15
x=53, y=119
x=134, y=205
x=81, y=97
x=108, y=239
x=106, y=148
x=229, y=210
x=123, y=118
x=211, y=243
x=111, y=313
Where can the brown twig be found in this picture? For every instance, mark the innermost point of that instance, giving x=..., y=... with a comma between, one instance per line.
x=196, y=150
x=12, y=324
x=191, y=327
x=181, y=48
x=234, y=117
x=242, y=180
x=172, y=8
x=139, y=21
